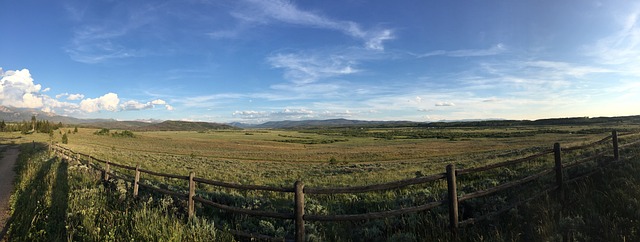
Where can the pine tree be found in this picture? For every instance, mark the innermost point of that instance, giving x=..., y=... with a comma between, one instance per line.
x=65, y=139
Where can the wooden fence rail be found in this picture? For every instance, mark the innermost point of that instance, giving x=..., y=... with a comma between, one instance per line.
x=299, y=190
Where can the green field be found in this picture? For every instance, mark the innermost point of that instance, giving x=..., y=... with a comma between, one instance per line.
x=324, y=157
x=337, y=157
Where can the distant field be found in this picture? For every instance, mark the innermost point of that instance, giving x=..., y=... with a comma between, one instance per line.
x=325, y=157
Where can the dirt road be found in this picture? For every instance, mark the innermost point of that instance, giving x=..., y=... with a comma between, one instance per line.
x=6, y=185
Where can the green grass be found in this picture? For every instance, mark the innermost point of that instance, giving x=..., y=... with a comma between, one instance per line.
x=277, y=158
x=57, y=201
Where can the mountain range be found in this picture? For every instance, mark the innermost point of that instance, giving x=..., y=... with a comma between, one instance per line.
x=10, y=114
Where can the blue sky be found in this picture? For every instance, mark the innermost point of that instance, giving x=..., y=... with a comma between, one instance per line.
x=262, y=60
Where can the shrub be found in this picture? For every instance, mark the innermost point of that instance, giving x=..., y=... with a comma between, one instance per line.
x=102, y=132
x=124, y=134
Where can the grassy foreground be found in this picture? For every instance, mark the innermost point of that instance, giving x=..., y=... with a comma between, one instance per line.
x=57, y=201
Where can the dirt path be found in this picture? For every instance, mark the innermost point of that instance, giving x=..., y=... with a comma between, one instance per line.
x=6, y=185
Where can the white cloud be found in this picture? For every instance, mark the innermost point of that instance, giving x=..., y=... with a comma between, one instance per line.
x=71, y=97
x=135, y=105
x=18, y=90
x=75, y=96
x=108, y=102
x=158, y=102
x=444, y=104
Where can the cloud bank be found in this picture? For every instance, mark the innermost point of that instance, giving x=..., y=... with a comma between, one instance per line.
x=17, y=89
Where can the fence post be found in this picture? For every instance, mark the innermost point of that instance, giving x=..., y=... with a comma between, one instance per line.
x=135, y=181
x=616, y=151
x=192, y=193
x=558, y=161
x=298, y=212
x=453, y=198
x=106, y=171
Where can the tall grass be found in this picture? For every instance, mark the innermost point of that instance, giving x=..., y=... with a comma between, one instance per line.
x=58, y=201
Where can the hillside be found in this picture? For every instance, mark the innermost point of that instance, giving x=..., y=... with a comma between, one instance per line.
x=337, y=123
x=183, y=126
x=11, y=114
x=287, y=124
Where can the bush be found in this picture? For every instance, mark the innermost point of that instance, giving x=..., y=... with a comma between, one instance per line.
x=102, y=132
x=124, y=134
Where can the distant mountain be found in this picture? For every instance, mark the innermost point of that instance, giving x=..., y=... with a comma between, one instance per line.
x=242, y=125
x=287, y=124
x=168, y=125
x=183, y=126
x=11, y=114
x=126, y=125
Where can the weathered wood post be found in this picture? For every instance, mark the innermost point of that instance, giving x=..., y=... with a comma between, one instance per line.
x=616, y=151
x=192, y=193
x=453, y=198
x=106, y=171
x=135, y=181
x=298, y=211
x=558, y=165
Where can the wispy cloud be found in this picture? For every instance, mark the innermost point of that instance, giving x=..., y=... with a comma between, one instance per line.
x=281, y=11
x=99, y=39
x=304, y=69
x=71, y=97
x=444, y=104
x=623, y=45
x=290, y=114
x=494, y=50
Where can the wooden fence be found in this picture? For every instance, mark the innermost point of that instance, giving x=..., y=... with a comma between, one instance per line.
x=299, y=190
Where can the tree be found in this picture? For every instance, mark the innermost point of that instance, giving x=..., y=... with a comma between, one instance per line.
x=65, y=139
x=75, y=130
x=33, y=122
x=2, y=126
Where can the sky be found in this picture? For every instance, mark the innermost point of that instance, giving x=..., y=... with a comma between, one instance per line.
x=254, y=61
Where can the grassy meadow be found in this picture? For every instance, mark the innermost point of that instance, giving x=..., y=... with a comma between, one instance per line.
x=332, y=157
x=320, y=158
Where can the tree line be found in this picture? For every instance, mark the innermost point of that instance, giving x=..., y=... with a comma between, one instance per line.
x=26, y=127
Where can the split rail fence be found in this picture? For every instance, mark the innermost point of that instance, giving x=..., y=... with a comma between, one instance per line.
x=299, y=190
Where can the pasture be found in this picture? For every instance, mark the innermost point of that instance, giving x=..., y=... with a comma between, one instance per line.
x=324, y=157
x=339, y=157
